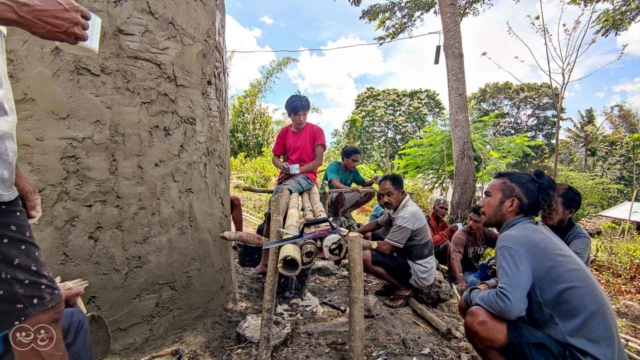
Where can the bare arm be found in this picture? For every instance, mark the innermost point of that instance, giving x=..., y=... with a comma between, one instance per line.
x=284, y=166
x=31, y=196
x=317, y=161
x=370, y=227
x=56, y=20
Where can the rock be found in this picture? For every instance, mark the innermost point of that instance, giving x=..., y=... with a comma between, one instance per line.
x=324, y=268
x=436, y=293
x=249, y=329
x=372, y=306
x=308, y=301
x=449, y=307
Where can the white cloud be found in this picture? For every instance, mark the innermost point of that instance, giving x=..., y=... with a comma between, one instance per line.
x=576, y=87
x=629, y=86
x=569, y=94
x=600, y=94
x=634, y=99
x=244, y=67
x=615, y=99
x=631, y=38
x=267, y=20
x=332, y=74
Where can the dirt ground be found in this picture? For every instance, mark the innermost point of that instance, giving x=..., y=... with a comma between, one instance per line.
x=323, y=334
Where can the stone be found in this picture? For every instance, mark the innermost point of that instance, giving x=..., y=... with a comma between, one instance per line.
x=372, y=306
x=249, y=329
x=324, y=268
x=438, y=292
x=338, y=326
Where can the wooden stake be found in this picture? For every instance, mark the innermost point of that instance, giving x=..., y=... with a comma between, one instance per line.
x=271, y=283
x=356, y=297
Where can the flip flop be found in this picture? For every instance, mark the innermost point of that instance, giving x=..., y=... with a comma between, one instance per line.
x=385, y=290
x=404, y=298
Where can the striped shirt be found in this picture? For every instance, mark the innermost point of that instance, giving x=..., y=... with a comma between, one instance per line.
x=409, y=235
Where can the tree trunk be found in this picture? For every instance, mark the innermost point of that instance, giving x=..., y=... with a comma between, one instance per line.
x=556, y=152
x=464, y=182
x=130, y=149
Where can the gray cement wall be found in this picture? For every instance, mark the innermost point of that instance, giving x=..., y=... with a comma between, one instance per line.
x=131, y=154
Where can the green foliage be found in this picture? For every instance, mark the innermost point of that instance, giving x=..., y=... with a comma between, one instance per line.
x=256, y=172
x=586, y=133
x=527, y=108
x=399, y=17
x=598, y=193
x=429, y=157
x=616, y=18
x=251, y=125
x=384, y=120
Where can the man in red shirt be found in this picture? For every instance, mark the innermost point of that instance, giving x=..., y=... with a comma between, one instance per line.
x=298, y=153
x=441, y=232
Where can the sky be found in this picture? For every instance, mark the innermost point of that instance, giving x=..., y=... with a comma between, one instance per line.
x=333, y=79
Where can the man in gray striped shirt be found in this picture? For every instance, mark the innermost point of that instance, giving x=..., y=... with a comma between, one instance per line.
x=405, y=259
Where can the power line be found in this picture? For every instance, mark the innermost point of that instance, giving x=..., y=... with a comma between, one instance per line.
x=334, y=48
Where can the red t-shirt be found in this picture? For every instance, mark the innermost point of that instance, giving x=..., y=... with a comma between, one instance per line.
x=298, y=147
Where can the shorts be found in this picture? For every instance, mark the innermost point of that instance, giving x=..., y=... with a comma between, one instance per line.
x=397, y=267
x=526, y=342
x=297, y=184
x=26, y=286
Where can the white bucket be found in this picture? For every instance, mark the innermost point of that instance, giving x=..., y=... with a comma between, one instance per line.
x=92, y=45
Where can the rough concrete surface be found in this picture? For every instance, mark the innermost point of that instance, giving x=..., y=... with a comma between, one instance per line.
x=130, y=152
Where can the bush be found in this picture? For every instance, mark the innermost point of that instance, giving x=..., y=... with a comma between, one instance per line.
x=598, y=193
x=257, y=172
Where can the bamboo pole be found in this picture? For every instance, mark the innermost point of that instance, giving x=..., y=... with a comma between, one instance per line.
x=307, y=209
x=314, y=197
x=271, y=283
x=326, y=197
x=290, y=258
x=629, y=338
x=243, y=237
x=633, y=345
x=356, y=297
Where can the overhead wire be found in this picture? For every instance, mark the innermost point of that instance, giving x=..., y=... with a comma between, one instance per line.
x=335, y=48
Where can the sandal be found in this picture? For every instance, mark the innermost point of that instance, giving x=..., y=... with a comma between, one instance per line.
x=394, y=297
x=385, y=290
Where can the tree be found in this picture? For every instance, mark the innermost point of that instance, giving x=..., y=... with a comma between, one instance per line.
x=623, y=117
x=429, y=157
x=527, y=108
x=586, y=132
x=402, y=16
x=563, y=53
x=384, y=120
x=251, y=125
x=598, y=193
x=616, y=18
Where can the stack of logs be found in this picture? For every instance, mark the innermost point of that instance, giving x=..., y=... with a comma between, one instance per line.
x=294, y=257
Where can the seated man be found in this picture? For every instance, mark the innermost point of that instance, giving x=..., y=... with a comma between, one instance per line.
x=560, y=221
x=405, y=258
x=298, y=152
x=546, y=304
x=341, y=175
x=467, y=247
x=441, y=232
x=376, y=213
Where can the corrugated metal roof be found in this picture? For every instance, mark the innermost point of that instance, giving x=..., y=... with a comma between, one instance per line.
x=621, y=211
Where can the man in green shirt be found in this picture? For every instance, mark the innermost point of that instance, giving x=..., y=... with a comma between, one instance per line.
x=342, y=175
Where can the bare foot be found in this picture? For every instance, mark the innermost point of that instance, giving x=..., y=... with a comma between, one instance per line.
x=260, y=270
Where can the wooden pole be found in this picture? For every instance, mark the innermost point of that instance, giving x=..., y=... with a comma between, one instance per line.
x=326, y=197
x=243, y=237
x=633, y=201
x=271, y=283
x=432, y=319
x=356, y=297
x=307, y=209
x=316, y=205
